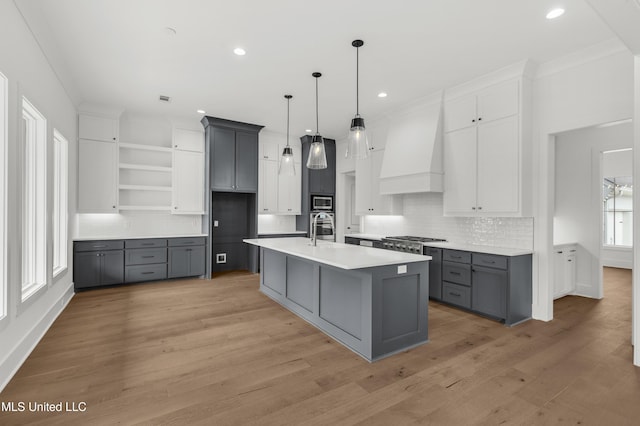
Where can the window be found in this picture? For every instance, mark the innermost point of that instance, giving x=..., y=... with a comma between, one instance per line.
x=60, y=204
x=3, y=194
x=34, y=199
x=618, y=211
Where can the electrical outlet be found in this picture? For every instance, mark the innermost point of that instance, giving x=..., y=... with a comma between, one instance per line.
x=402, y=269
x=221, y=257
x=215, y=223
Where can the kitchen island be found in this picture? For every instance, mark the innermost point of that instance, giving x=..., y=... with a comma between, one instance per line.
x=373, y=301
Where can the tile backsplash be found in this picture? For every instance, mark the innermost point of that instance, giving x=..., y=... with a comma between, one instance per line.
x=136, y=224
x=423, y=217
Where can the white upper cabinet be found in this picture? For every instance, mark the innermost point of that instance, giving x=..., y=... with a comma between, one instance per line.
x=188, y=182
x=369, y=201
x=188, y=140
x=487, y=151
x=278, y=194
x=97, y=164
x=98, y=128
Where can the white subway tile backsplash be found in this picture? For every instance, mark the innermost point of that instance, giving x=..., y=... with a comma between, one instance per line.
x=276, y=223
x=423, y=216
x=136, y=224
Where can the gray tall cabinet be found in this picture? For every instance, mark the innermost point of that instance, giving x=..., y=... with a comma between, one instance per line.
x=232, y=210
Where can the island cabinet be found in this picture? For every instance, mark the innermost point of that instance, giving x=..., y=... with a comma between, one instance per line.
x=111, y=262
x=375, y=302
x=98, y=263
x=495, y=286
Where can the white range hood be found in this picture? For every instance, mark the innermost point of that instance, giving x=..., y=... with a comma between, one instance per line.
x=413, y=153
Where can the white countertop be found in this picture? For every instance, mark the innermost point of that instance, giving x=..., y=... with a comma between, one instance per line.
x=344, y=256
x=374, y=237
x=136, y=237
x=502, y=251
x=282, y=233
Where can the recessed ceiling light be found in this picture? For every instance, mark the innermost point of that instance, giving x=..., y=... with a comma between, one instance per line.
x=164, y=98
x=382, y=95
x=239, y=51
x=170, y=31
x=201, y=111
x=555, y=13
x=308, y=130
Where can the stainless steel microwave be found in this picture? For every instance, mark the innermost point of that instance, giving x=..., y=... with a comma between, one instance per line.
x=322, y=203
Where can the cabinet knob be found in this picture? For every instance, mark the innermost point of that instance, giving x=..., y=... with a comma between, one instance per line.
x=114, y=139
x=479, y=208
x=479, y=118
x=473, y=121
x=473, y=208
x=175, y=146
x=175, y=207
x=113, y=207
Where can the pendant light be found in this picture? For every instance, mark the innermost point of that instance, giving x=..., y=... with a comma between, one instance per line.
x=287, y=166
x=358, y=146
x=317, y=156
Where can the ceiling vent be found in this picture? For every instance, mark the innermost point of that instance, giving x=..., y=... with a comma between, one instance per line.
x=164, y=98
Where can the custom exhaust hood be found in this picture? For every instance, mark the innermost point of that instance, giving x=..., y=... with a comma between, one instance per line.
x=412, y=159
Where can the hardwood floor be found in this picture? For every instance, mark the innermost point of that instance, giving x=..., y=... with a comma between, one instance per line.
x=221, y=353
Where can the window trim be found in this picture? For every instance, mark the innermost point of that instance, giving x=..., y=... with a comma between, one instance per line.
x=4, y=138
x=34, y=191
x=60, y=203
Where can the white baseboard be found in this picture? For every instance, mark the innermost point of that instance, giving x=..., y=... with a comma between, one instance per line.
x=21, y=351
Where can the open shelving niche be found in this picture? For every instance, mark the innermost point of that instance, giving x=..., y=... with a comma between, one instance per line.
x=144, y=177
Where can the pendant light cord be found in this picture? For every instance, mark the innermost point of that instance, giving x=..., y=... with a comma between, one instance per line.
x=317, y=125
x=288, y=101
x=357, y=81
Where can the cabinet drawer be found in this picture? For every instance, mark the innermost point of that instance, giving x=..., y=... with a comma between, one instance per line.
x=146, y=243
x=456, y=273
x=145, y=256
x=188, y=241
x=98, y=245
x=456, y=256
x=490, y=260
x=134, y=274
x=456, y=295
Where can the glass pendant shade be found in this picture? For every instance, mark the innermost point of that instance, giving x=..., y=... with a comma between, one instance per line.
x=317, y=155
x=358, y=143
x=287, y=163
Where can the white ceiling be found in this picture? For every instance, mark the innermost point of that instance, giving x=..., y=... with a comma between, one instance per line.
x=118, y=52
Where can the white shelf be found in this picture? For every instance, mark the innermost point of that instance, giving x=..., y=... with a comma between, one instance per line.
x=146, y=188
x=145, y=147
x=145, y=167
x=155, y=208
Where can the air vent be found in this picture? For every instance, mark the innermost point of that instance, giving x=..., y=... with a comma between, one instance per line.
x=164, y=98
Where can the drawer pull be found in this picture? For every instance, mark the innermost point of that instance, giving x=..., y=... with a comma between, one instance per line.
x=100, y=246
x=455, y=273
x=454, y=294
x=147, y=244
x=456, y=257
x=148, y=273
x=148, y=257
x=572, y=251
x=559, y=252
x=490, y=262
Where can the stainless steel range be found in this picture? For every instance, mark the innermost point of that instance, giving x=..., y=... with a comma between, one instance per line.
x=408, y=244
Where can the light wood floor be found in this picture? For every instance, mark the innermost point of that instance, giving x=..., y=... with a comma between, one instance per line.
x=218, y=353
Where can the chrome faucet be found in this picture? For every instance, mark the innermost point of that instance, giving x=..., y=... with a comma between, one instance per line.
x=314, y=222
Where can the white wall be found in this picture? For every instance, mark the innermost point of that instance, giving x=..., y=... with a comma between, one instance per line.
x=29, y=74
x=588, y=88
x=151, y=130
x=578, y=197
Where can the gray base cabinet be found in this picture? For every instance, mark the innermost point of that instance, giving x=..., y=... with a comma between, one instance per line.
x=112, y=262
x=495, y=286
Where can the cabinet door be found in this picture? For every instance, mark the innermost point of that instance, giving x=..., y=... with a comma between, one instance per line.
x=86, y=269
x=498, y=102
x=363, y=187
x=196, y=261
x=97, y=178
x=559, y=273
x=460, y=172
x=289, y=193
x=246, y=162
x=97, y=128
x=188, y=182
x=323, y=181
x=489, y=291
x=223, y=160
x=268, y=150
x=498, y=166
x=268, y=192
x=179, y=262
x=112, y=267
x=381, y=204
x=188, y=140
x=460, y=113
